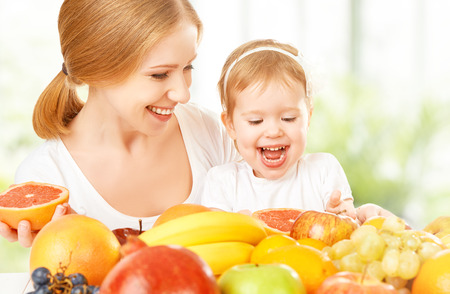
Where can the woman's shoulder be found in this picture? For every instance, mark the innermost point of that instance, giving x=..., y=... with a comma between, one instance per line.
x=205, y=135
x=41, y=164
x=197, y=114
x=49, y=148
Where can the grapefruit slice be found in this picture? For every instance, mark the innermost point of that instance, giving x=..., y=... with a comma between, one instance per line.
x=32, y=201
x=278, y=220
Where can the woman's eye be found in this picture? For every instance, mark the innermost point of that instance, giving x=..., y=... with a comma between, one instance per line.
x=255, y=122
x=189, y=67
x=289, y=119
x=160, y=76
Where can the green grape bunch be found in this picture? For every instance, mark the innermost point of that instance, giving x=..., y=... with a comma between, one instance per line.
x=393, y=253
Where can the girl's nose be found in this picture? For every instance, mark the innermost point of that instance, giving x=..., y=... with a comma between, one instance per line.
x=274, y=129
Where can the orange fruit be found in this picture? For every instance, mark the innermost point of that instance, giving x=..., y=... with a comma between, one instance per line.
x=278, y=220
x=32, y=201
x=270, y=243
x=318, y=244
x=434, y=275
x=376, y=221
x=78, y=244
x=312, y=267
x=179, y=210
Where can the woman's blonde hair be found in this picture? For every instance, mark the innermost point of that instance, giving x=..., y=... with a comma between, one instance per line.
x=259, y=68
x=102, y=43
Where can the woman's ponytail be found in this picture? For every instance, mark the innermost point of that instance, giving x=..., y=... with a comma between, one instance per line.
x=56, y=107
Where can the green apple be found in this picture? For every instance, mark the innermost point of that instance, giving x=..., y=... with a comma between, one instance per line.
x=252, y=278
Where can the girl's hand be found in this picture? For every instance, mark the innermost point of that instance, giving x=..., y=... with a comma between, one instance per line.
x=23, y=234
x=337, y=206
x=368, y=210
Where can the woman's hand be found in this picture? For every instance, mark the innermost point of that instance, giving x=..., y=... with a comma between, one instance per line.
x=337, y=206
x=368, y=210
x=23, y=234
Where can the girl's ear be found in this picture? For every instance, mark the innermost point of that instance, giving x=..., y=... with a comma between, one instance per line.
x=310, y=115
x=228, y=123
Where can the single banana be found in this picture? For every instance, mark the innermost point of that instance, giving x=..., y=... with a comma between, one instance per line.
x=221, y=256
x=206, y=227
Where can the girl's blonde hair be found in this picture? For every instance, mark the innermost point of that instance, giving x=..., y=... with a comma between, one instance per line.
x=102, y=43
x=259, y=68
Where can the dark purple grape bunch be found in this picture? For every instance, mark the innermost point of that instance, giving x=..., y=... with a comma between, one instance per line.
x=46, y=283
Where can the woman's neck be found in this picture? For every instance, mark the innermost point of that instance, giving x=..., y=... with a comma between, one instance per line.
x=99, y=125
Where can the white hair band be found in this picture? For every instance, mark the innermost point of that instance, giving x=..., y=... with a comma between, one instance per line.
x=279, y=50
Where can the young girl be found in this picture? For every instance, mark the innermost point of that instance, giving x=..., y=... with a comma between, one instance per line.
x=265, y=92
x=136, y=146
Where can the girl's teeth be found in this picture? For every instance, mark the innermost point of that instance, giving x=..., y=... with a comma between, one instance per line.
x=273, y=149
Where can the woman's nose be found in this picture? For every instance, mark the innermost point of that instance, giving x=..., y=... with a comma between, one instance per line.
x=179, y=90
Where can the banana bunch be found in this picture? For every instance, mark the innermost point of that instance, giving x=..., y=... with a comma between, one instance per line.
x=222, y=239
x=220, y=256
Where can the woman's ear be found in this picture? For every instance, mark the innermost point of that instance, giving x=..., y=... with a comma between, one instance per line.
x=228, y=123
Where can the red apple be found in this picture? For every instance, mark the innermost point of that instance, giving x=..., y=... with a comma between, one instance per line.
x=131, y=245
x=324, y=226
x=355, y=283
x=122, y=233
x=160, y=269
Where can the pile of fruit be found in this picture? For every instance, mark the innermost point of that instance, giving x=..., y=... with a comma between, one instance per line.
x=193, y=249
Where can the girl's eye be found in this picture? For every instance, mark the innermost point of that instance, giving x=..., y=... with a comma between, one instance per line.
x=160, y=76
x=189, y=67
x=255, y=122
x=289, y=119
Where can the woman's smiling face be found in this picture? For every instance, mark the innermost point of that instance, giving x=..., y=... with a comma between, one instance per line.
x=270, y=127
x=146, y=100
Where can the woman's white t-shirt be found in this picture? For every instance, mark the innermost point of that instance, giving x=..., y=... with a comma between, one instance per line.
x=307, y=185
x=207, y=145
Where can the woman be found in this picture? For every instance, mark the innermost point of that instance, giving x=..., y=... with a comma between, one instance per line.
x=136, y=146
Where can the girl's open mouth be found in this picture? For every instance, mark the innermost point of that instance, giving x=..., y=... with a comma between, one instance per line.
x=273, y=156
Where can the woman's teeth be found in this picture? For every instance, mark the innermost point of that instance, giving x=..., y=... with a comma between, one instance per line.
x=162, y=111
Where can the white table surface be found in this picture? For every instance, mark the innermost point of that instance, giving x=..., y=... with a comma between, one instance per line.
x=15, y=283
